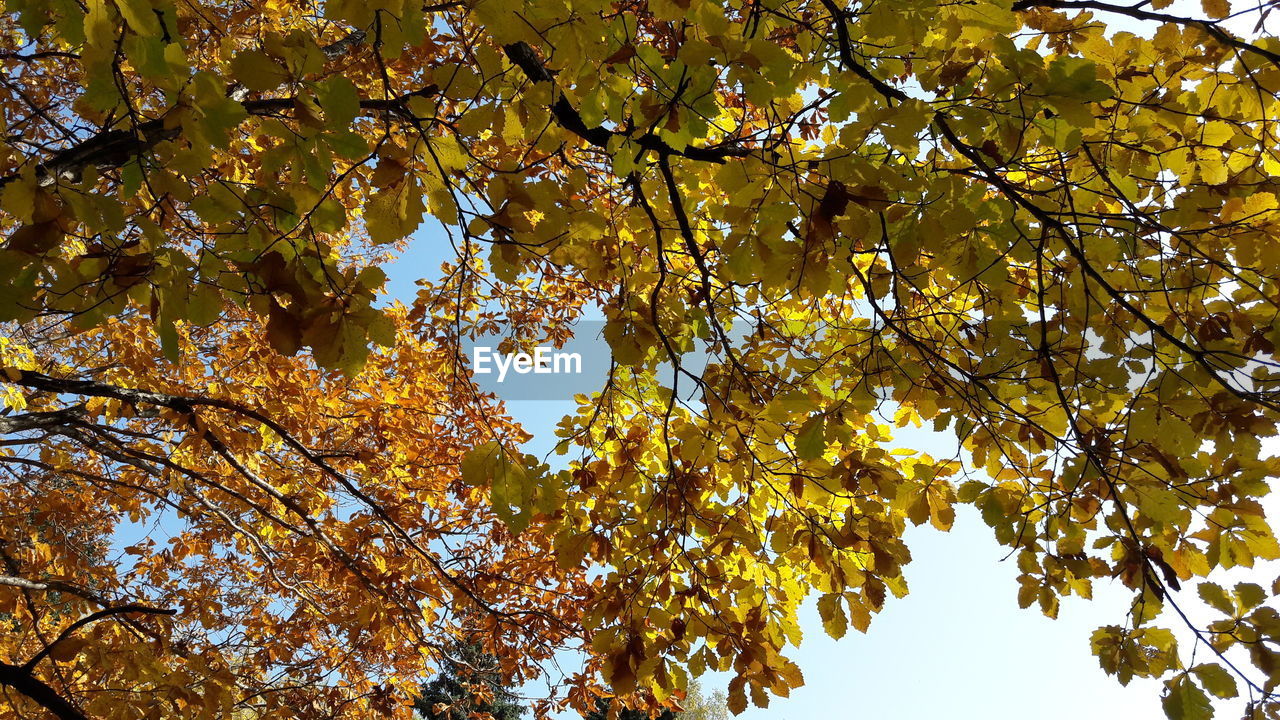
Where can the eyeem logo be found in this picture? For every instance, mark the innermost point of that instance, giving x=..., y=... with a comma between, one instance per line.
x=543, y=361
x=537, y=369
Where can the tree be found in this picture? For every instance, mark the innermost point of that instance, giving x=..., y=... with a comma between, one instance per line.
x=1045, y=228
x=692, y=707
x=468, y=683
x=177, y=553
x=696, y=706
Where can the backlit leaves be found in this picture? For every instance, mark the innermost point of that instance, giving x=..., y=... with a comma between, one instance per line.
x=324, y=520
x=1047, y=241
x=1183, y=700
x=832, y=613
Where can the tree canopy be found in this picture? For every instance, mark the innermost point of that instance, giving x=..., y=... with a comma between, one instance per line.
x=235, y=484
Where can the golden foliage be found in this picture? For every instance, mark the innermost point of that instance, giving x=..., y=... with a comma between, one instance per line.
x=1053, y=241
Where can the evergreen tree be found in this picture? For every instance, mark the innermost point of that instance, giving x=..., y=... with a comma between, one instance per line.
x=469, y=681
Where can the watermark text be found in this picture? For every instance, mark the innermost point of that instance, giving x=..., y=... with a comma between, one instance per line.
x=542, y=361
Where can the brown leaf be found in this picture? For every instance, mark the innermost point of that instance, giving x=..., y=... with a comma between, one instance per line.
x=872, y=197
x=66, y=649
x=992, y=150
x=623, y=54
x=283, y=330
x=833, y=203
x=36, y=238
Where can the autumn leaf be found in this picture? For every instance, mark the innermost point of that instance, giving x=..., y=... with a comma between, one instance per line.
x=67, y=649
x=831, y=610
x=1184, y=701
x=1216, y=680
x=809, y=439
x=623, y=54
x=1216, y=9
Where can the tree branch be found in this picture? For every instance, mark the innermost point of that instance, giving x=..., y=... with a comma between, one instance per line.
x=1210, y=27
x=113, y=148
x=37, y=421
x=91, y=618
x=21, y=680
x=23, y=583
x=568, y=117
x=942, y=122
x=188, y=403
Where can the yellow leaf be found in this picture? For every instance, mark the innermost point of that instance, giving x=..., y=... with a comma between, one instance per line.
x=395, y=212
x=1217, y=133
x=831, y=610
x=19, y=196
x=1216, y=9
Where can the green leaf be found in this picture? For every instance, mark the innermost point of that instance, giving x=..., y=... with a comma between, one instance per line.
x=625, y=345
x=511, y=494
x=1217, y=680
x=340, y=101
x=571, y=547
x=511, y=489
x=1106, y=645
x=381, y=330
x=477, y=464
x=372, y=277
x=140, y=16
x=256, y=70
x=810, y=441
x=1249, y=596
x=1185, y=701
x=18, y=198
x=204, y=305
x=346, y=144
x=1216, y=597
x=168, y=339
x=354, y=352
x=392, y=214
x=1076, y=78
x=99, y=28
x=970, y=491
